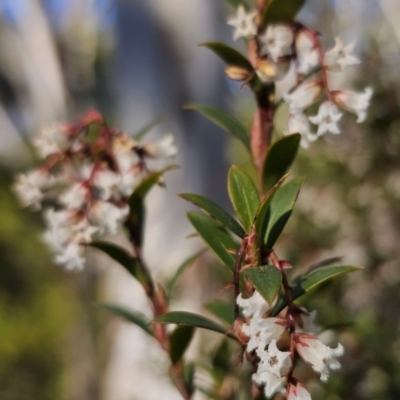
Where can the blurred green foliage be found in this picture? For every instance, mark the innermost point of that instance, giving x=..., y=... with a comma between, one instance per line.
x=36, y=308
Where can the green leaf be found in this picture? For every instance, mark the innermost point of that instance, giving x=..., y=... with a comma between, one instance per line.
x=119, y=254
x=312, y=279
x=190, y=319
x=229, y=55
x=179, y=342
x=244, y=196
x=147, y=128
x=267, y=280
x=221, y=309
x=135, y=317
x=281, y=10
x=223, y=120
x=188, y=376
x=233, y=58
x=216, y=212
x=136, y=218
x=221, y=359
x=261, y=215
x=189, y=261
x=278, y=159
x=215, y=236
x=280, y=210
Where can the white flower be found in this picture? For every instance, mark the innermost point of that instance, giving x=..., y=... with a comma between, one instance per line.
x=307, y=322
x=243, y=23
x=162, y=149
x=356, y=103
x=254, y=305
x=321, y=357
x=298, y=392
x=298, y=123
x=107, y=182
x=327, y=118
x=60, y=228
x=52, y=139
x=273, y=384
x=71, y=257
x=75, y=197
x=276, y=41
x=28, y=187
x=107, y=216
x=275, y=361
x=262, y=331
x=304, y=95
x=340, y=56
x=306, y=51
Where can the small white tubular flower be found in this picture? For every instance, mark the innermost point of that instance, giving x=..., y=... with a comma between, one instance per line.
x=262, y=331
x=275, y=361
x=243, y=23
x=254, y=305
x=340, y=56
x=298, y=123
x=71, y=257
x=276, y=41
x=298, y=392
x=306, y=51
x=304, y=95
x=107, y=216
x=163, y=149
x=273, y=383
x=52, y=139
x=321, y=357
x=327, y=118
x=356, y=103
x=307, y=322
x=28, y=187
x=75, y=197
x=107, y=183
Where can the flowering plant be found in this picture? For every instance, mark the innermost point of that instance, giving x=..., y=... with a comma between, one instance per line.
x=94, y=178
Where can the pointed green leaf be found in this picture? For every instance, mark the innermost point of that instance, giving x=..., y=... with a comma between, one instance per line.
x=279, y=158
x=135, y=317
x=215, y=236
x=179, y=342
x=223, y=120
x=233, y=58
x=229, y=55
x=147, y=128
x=312, y=279
x=281, y=10
x=188, y=376
x=189, y=261
x=280, y=210
x=261, y=219
x=122, y=256
x=244, y=196
x=135, y=222
x=190, y=319
x=222, y=357
x=221, y=309
x=216, y=212
x=267, y=280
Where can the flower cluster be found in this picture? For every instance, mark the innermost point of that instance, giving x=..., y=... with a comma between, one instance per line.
x=282, y=45
x=275, y=367
x=84, y=183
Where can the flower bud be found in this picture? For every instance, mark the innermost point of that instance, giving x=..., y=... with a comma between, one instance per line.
x=237, y=73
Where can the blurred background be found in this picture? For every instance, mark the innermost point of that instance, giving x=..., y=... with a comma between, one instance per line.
x=135, y=60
